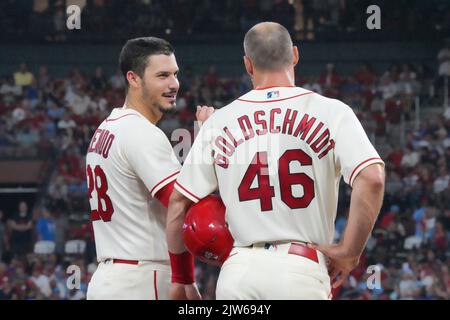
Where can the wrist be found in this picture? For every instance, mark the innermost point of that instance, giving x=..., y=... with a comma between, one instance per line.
x=182, y=265
x=349, y=250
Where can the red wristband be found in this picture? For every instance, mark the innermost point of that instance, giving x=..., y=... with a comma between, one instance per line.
x=182, y=267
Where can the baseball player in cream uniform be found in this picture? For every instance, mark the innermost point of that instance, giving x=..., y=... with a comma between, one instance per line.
x=276, y=155
x=123, y=178
x=130, y=169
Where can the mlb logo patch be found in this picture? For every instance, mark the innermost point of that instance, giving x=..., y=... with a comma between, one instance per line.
x=273, y=94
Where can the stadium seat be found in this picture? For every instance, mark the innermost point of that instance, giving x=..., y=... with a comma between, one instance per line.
x=75, y=246
x=411, y=242
x=44, y=247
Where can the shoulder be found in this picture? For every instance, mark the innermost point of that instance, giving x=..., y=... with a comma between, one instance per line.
x=143, y=136
x=134, y=127
x=333, y=109
x=330, y=103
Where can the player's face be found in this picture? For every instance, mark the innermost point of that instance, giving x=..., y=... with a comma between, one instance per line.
x=160, y=82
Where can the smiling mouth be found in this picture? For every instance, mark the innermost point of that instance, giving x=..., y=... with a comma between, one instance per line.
x=171, y=96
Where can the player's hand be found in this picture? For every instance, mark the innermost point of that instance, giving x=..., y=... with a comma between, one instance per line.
x=180, y=291
x=203, y=113
x=177, y=292
x=340, y=263
x=192, y=292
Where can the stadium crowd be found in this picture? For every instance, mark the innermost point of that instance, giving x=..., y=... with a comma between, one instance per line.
x=42, y=116
x=110, y=21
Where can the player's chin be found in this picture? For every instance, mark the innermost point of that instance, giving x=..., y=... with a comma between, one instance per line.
x=168, y=107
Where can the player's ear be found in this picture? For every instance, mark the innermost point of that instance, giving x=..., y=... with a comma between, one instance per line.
x=133, y=79
x=248, y=66
x=295, y=55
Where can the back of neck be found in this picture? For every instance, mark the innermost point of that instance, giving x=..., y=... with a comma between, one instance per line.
x=283, y=78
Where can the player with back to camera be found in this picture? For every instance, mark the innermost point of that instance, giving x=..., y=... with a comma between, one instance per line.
x=276, y=155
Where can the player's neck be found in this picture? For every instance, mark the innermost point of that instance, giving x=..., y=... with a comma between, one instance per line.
x=149, y=113
x=283, y=78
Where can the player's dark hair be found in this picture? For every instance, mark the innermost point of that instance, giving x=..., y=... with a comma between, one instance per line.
x=269, y=46
x=135, y=53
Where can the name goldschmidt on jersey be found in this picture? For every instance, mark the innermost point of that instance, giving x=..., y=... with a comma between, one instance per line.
x=313, y=132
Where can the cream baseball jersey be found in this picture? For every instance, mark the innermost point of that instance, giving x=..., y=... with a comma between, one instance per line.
x=128, y=161
x=277, y=155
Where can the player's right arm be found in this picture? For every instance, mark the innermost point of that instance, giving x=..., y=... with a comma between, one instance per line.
x=150, y=155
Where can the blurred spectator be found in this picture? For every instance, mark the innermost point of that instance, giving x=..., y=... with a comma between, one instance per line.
x=442, y=181
x=58, y=194
x=20, y=225
x=66, y=124
x=61, y=230
x=408, y=286
x=41, y=281
x=408, y=80
x=365, y=75
x=444, y=60
x=313, y=85
x=59, y=22
x=9, y=90
x=388, y=87
x=45, y=227
x=19, y=112
x=117, y=80
x=43, y=79
x=27, y=138
x=23, y=77
x=330, y=81
x=98, y=81
x=32, y=93
x=440, y=239
x=211, y=79
x=77, y=100
x=410, y=158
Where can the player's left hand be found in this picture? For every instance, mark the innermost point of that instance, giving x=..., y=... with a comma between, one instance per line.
x=203, y=113
x=192, y=292
x=177, y=292
x=180, y=291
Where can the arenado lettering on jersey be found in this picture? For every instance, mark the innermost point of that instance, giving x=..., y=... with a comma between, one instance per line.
x=304, y=127
x=101, y=142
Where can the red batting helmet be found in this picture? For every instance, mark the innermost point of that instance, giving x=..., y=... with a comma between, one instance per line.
x=205, y=232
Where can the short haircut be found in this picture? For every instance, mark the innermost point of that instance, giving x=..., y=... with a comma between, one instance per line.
x=135, y=53
x=269, y=46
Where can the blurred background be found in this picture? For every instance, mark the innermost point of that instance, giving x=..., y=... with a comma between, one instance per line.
x=57, y=85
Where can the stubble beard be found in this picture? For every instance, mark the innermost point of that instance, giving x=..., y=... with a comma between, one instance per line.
x=155, y=105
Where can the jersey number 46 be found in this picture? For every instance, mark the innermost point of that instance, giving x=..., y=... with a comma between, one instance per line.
x=265, y=192
x=97, y=180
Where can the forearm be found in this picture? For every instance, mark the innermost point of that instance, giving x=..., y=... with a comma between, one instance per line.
x=365, y=205
x=178, y=205
x=181, y=261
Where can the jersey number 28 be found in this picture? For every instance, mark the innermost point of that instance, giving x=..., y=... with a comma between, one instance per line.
x=97, y=180
x=265, y=192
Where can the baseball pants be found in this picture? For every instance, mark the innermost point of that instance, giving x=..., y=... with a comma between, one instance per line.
x=269, y=272
x=146, y=280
